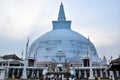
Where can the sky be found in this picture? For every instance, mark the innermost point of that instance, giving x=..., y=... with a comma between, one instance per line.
x=23, y=19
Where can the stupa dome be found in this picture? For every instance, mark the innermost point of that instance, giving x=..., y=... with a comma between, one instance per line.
x=62, y=39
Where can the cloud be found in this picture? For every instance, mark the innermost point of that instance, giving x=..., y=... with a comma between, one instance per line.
x=18, y=17
x=109, y=50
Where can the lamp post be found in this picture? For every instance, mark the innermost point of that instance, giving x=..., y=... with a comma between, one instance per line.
x=24, y=74
x=91, y=77
x=91, y=71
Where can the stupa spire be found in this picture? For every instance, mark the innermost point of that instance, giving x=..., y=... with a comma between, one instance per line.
x=61, y=16
x=61, y=23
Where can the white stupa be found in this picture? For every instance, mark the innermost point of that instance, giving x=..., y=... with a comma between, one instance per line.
x=62, y=38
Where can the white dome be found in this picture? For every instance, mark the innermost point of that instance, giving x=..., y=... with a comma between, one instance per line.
x=62, y=34
x=62, y=38
x=71, y=43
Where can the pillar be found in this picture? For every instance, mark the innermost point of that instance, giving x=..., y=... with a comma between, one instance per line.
x=24, y=73
x=37, y=73
x=85, y=74
x=7, y=69
x=32, y=73
x=91, y=77
x=13, y=72
x=96, y=75
x=13, y=76
x=79, y=73
x=101, y=74
x=18, y=72
x=62, y=77
x=106, y=73
x=117, y=73
x=27, y=73
x=2, y=74
x=112, y=75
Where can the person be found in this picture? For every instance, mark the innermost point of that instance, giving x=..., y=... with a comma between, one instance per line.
x=99, y=78
x=13, y=76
